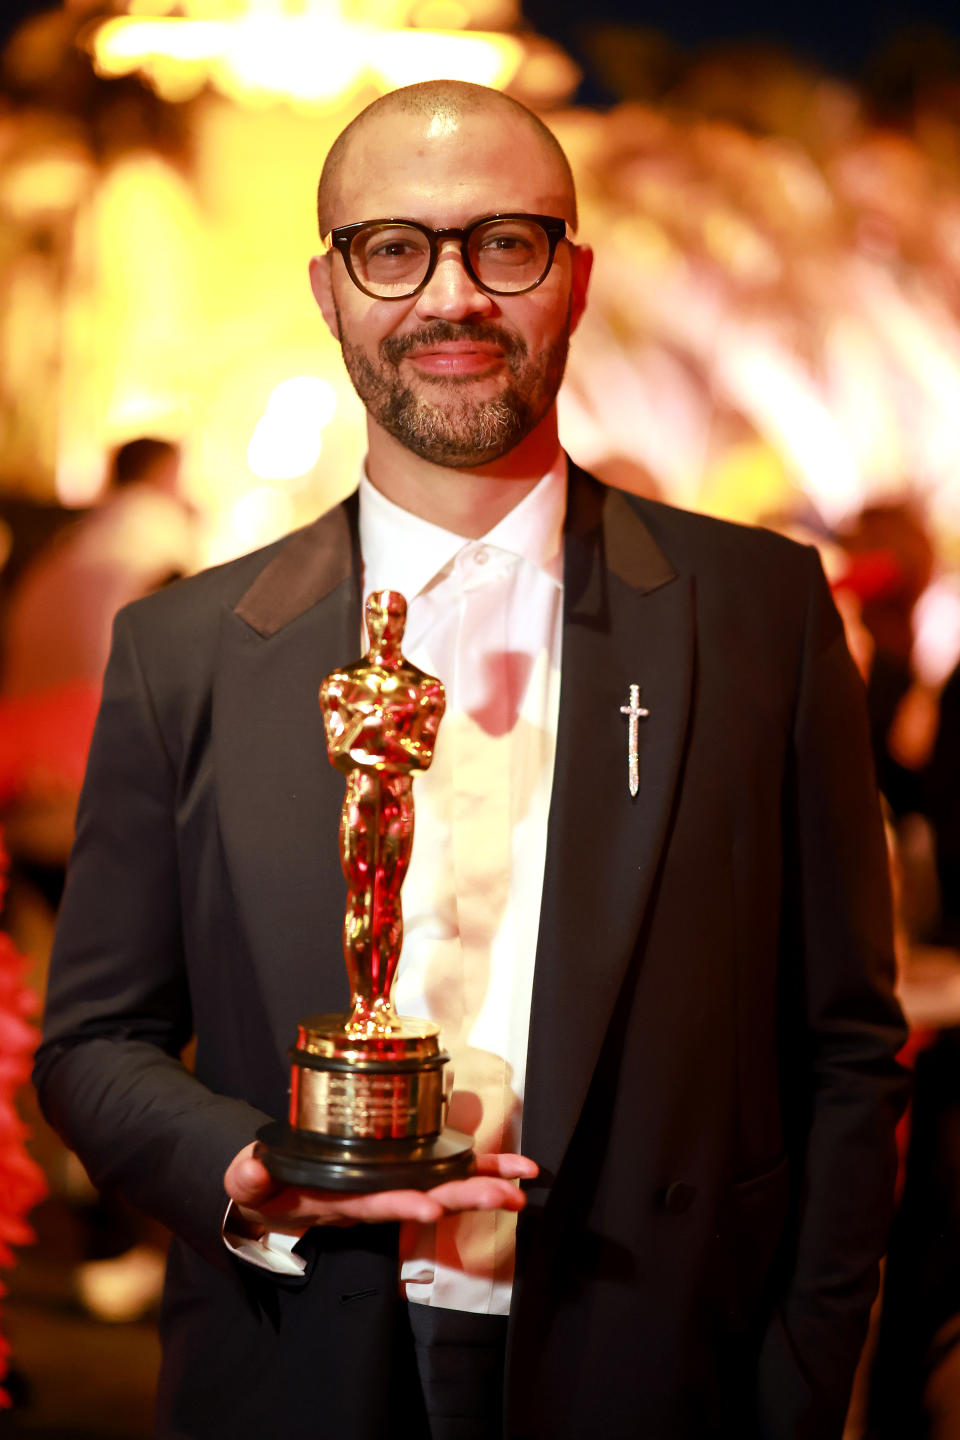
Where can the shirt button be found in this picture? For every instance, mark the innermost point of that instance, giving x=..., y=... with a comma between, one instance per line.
x=481, y=556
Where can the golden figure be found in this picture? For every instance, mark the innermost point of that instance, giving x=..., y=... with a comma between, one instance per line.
x=366, y=1089
x=381, y=717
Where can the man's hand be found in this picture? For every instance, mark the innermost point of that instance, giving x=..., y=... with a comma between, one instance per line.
x=266, y=1205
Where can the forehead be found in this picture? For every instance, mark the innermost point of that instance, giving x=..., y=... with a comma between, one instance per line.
x=448, y=170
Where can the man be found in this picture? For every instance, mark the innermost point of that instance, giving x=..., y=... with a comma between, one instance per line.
x=685, y=992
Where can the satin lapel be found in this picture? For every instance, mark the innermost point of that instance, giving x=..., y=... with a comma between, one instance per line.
x=628, y=619
x=279, y=798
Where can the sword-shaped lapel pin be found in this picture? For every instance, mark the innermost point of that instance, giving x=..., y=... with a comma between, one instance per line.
x=635, y=713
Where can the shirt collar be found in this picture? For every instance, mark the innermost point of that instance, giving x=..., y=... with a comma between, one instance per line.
x=403, y=552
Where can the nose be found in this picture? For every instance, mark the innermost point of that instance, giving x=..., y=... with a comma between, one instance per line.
x=450, y=294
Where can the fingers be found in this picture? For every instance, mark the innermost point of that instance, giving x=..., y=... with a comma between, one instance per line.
x=247, y=1181
x=297, y=1210
x=510, y=1167
x=475, y=1193
x=249, y=1184
x=386, y=1205
x=479, y=1193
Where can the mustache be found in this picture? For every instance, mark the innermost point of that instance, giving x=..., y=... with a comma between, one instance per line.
x=395, y=347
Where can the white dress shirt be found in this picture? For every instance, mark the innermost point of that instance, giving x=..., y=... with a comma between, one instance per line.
x=486, y=617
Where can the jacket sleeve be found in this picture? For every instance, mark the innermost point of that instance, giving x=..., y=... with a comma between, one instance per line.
x=118, y=1014
x=842, y=1030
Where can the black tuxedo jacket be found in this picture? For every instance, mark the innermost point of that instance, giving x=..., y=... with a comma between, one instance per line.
x=711, y=1090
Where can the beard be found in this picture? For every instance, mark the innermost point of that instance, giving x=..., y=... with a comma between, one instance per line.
x=452, y=429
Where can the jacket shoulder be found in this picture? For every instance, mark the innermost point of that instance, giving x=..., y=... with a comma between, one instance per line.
x=190, y=609
x=694, y=541
x=748, y=581
x=175, y=633
x=188, y=601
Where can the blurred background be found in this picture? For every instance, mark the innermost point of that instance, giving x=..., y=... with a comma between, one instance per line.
x=774, y=338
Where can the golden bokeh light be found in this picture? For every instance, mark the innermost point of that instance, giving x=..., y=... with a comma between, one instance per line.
x=773, y=308
x=308, y=59
x=188, y=312
x=287, y=439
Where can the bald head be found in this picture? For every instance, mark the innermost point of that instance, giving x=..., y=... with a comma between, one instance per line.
x=439, y=106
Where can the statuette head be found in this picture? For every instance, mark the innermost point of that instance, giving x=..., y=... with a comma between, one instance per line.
x=386, y=616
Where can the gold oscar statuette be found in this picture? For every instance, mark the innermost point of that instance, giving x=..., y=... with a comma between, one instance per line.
x=366, y=1089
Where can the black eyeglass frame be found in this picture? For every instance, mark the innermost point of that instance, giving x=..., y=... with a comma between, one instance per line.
x=553, y=227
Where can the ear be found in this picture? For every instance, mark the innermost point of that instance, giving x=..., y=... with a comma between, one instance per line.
x=579, y=280
x=321, y=283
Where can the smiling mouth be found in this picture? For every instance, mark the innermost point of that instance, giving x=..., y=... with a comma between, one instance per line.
x=457, y=358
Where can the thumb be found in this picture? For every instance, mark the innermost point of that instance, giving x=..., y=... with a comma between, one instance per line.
x=247, y=1180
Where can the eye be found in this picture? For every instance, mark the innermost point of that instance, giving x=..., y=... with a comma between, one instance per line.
x=506, y=243
x=509, y=251
x=391, y=250
x=390, y=254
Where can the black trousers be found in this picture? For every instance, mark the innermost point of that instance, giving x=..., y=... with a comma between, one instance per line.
x=449, y=1373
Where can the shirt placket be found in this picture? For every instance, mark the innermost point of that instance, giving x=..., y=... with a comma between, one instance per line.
x=481, y=856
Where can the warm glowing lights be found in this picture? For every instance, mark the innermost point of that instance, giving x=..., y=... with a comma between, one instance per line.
x=739, y=247
x=644, y=243
x=734, y=292
x=121, y=45
x=408, y=56
x=770, y=307
x=259, y=516
x=323, y=58
x=442, y=15
x=46, y=184
x=287, y=439
x=774, y=389
x=310, y=58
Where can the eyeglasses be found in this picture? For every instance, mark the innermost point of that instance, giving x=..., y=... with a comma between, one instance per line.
x=502, y=254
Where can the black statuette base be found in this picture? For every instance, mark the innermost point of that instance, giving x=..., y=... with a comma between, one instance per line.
x=297, y=1157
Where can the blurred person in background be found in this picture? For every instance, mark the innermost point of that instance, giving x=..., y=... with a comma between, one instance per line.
x=943, y=791
x=57, y=628
x=893, y=556
x=139, y=537
x=909, y=1386
x=55, y=644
